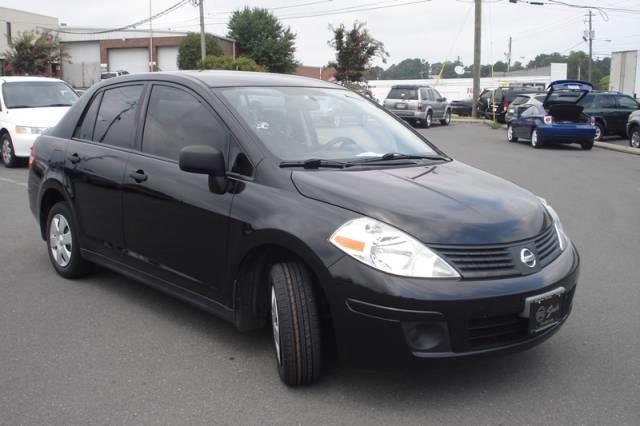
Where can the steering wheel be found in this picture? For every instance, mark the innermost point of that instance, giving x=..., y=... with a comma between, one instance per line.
x=340, y=142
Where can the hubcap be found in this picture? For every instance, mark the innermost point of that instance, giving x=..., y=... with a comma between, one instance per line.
x=6, y=151
x=635, y=139
x=428, y=120
x=534, y=138
x=447, y=119
x=275, y=322
x=509, y=133
x=60, y=240
x=598, y=133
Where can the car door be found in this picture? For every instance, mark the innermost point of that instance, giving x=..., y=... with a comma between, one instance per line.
x=436, y=103
x=605, y=104
x=527, y=121
x=424, y=99
x=95, y=163
x=174, y=227
x=625, y=106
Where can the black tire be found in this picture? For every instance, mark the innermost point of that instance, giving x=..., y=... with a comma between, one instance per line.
x=586, y=145
x=634, y=137
x=447, y=118
x=75, y=266
x=7, y=154
x=599, y=131
x=426, y=123
x=510, y=136
x=298, y=328
x=536, y=140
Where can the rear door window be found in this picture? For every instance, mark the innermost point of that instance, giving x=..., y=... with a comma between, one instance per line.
x=116, y=121
x=176, y=119
x=84, y=130
x=423, y=95
x=436, y=94
x=606, y=101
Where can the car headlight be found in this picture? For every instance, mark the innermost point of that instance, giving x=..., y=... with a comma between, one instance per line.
x=563, y=239
x=390, y=250
x=28, y=130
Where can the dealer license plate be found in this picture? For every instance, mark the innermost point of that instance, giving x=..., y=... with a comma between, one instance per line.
x=544, y=310
x=401, y=106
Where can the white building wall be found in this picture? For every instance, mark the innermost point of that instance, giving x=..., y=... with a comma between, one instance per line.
x=82, y=66
x=134, y=60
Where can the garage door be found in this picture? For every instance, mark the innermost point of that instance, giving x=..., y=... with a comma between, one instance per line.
x=167, y=58
x=130, y=59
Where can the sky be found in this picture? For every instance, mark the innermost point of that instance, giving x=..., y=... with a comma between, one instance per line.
x=435, y=30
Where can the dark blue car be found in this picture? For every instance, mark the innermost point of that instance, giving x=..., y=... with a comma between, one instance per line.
x=558, y=119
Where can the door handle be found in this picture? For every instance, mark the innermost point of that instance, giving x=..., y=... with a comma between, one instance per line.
x=75, y=158
x=138, y=176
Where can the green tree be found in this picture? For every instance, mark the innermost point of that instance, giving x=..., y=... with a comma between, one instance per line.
x=517, y=66
x=264, y=39
x=500, y=67
x=355, y=50
x=189, y=50
x=544, y=59
x=604, y=83
x=241, y=63
x=31, y=55
x=408, y=69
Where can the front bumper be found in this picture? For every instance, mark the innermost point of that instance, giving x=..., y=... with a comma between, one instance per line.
x=382, y=320
x=22, y=144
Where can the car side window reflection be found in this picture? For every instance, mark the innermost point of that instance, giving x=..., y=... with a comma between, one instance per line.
x=176, y=119
x=116, y=121
x=84, y=130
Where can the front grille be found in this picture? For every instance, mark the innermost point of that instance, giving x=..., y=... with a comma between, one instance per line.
x=497, y=331
x=501, y=260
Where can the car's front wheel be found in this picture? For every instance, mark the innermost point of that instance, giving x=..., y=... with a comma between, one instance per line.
x=8, y=154
x=447, y=118
x=599, y=131
x=536, y=140
x=634, y=137
x=295, y=324
x=510, y=136
x=62, y=243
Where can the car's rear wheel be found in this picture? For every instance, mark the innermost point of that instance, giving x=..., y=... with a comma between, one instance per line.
x=510, y=136
x=9, y=158
x=62, y=243
x=447, y=118
x=428, y=120
x=536, y=140
x=295, y=324
x=586, y=145
x=634, y=137
x=599, y=131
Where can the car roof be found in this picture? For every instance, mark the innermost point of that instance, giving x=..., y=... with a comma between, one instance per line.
x=220, y=78
x=410, y=86
x=10, y=79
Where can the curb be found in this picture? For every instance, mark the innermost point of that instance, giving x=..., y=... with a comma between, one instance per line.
x=602, y=145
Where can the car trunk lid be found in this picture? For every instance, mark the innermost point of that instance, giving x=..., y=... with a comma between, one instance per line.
x=566, y=92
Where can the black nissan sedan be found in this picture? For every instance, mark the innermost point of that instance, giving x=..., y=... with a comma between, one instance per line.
x=231, y=191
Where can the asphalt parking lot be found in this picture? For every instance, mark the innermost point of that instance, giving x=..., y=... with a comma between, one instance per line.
x=107, y=350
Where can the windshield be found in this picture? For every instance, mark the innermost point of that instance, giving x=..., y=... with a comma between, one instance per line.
x=403, y=93
x=300, y=123
x=38, y=94
x=106, y=75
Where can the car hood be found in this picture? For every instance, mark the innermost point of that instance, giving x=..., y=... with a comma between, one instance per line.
x=449, y=203
x=37, y=117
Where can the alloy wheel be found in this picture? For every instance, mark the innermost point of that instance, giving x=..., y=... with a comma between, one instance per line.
x=509, y=133
x=447, y=118
x=6, y=151
x=598, y=134
x=60, y=240
x=428, y=120
x=635, y=138
x=534, y=138
x=275, y=323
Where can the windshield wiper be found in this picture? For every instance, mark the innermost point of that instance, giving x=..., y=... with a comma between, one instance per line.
x=315, y=163
x=390, y=156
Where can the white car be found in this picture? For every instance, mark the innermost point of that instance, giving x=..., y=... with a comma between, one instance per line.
x=28, y=107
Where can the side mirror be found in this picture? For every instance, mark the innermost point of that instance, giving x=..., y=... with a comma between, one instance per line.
x=205, y=160
x=443, y=99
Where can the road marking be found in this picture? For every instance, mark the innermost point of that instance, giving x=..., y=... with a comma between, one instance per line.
x=15, y=182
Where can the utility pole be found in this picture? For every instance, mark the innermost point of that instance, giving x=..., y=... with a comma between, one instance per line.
x=150, y=39
x=203, y=50
x=477, y=43
x=509, y=56
x=590, y=45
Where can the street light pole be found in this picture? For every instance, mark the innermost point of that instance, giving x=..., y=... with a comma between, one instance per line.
x=203, y=50
x=590, y=45
x=150, y=39
x=477, y=43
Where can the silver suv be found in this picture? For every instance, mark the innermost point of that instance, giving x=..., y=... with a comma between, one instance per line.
x=418, y=104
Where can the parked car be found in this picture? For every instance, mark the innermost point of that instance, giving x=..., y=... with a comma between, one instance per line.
x=462, y=107
x=112, y=74
x=218, y=188
x=610, y=111
x=633, y=129
x=500, y=100
x=418, y=104
x=523, y=99
x=28, y=107
x=559, y=118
